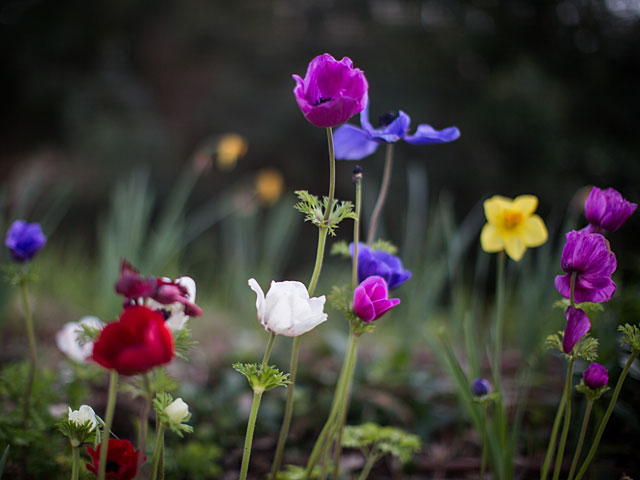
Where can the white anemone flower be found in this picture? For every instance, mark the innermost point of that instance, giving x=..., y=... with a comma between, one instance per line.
x=287, y=309
x=83, y=415
x=174, y=312
x=67, y=339
x=177, y=411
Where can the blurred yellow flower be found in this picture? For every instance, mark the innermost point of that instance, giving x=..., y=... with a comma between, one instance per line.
x=231, y=147
x=512, y=226
x=269, y=185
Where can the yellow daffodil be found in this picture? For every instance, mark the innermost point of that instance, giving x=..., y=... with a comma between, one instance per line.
x=269, y=186
x=512, y=226
x=231, y=147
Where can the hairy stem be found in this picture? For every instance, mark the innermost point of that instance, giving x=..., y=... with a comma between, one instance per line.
x=583, y=432
x=567, y=421
x=108, y=421
x=382, y=196
x=554, y=435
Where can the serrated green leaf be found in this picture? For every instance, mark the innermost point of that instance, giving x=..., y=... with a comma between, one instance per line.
x=630, y=336
x=341, y=248
x=262, y=378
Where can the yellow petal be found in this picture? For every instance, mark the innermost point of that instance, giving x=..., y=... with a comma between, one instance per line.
x=494, y=208
x=490, y=239
x=514, y=246
x=526, y=204
x=533, y=231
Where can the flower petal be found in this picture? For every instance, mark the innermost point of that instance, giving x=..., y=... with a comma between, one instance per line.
x=352, y=143
x=533, y=231
x=525, y=204
x=490, y=239
x=514, y=246
x=494, y=208
x=427, y=135
x=578, y=325
x=259, y=297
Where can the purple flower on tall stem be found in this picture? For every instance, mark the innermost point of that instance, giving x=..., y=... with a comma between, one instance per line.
x=578, y=325
x=589, y=256
x=331, y=92
x=595, y=376
x=607, y=209
x=24, y=240
x=353, y=143
x=480, y=387
x=371, y=299
x=380, y=263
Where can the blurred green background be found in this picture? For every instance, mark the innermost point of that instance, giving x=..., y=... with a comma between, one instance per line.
x=112, y=119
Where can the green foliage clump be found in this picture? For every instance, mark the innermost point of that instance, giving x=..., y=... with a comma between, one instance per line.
x=378, y=441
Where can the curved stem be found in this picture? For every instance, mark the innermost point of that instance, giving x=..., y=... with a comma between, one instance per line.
x=567, y=421
x=33, y=356
x=554, y=434
x=583, y=432
x=382, y=196
x=75, y=466
x=605, y=419
x=108, y=421
x=368, y=465
x=158, y=449
x=267, y=351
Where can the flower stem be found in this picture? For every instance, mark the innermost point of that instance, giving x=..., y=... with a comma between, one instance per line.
x=33, y=356
x=497, y=348
x=144, y=420
x=583, y=431
x=605, y=419
x=356, y=230
x=572, y=297
x=108, y=421
x=554, y=434
x=567, y=421
x=75, y=465
x=382, y=196
x=483, y=462
x=158, y=449
x=372, y=458
x=295, y=348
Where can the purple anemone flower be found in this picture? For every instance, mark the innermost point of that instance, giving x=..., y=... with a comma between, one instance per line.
x=371, y=299
x=331, y=92
x=607, y=209
x=595, y=376
x=380, y=263
x=24, y=240
x=578, y=325
x=480, y=387
x=590, y=257
x=353, y=143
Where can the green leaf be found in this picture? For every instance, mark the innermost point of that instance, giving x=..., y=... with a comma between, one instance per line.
x=590, y=393
x=314, y=210
x=3, y=460
x=630, y=336
x=183, y=342
x=341, y=248
x=387, y=440
x=262, y=378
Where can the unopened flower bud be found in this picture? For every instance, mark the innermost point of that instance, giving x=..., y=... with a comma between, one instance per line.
x=480, y=387
x=83, y=415
x=595, y=376
x=356, y=176
x=177, y=410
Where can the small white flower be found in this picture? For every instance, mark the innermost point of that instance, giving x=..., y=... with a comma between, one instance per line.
x=67, y=339
x=174, y=312
x=83, y=415
x=177, y=410
x=287, y=308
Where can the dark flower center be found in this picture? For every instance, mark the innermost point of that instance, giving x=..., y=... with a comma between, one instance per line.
x=322, y=100
x=165, y=313
x=387, y=119
x=112, y=466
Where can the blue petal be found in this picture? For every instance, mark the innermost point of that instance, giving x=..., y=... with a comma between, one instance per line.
x=426, y=135
x=364, y=118
x=352, y=143
x=394, y=131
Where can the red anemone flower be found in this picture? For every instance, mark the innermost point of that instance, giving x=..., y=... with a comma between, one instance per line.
x=136, y=343
x=122, y=460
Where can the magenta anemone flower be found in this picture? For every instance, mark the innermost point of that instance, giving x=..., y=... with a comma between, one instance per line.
x=607, y=209
x=24, y=240
x=595, y=376
x=371, y=299
x=578, y=325
x=331, y=92
x=590, y=257
x=353, y=143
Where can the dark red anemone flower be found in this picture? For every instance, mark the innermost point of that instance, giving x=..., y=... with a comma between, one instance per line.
x=136, y=343
x=122, y=460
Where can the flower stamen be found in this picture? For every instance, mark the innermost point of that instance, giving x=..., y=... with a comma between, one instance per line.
x=512, y=219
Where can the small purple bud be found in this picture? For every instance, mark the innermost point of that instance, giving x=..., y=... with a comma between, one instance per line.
x=24, y=240
x=356, y=175
x=480, y=387
x=595, y=376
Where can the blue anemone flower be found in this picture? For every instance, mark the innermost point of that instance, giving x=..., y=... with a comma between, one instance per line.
x=380, y=263
x=353, y=143
x=24, y=240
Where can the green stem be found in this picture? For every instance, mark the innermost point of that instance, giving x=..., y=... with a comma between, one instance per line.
x=322, y=239
x=108, y=421
x=554, y=434
x=483, y=462
x=497, y=349
x=567, y=421
x=332, y=176
x=158, y=449
x=382, y=196
x=267, y=351
x=356, y=230
x=368, y=465
x=572, y=297
x=75, y=465
x=607, y=414
x=144, y=420
x=33, y=355
x=583, y=432
x=288, y=411
x=257, y=396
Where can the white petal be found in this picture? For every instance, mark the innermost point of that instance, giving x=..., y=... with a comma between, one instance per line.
x=259, y=298
x=190, y=284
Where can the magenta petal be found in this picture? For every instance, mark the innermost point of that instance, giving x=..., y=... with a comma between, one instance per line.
x=563, y=284
x=578, y=325
x=383, y=306
x=362, y=305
